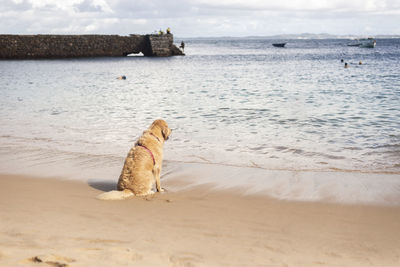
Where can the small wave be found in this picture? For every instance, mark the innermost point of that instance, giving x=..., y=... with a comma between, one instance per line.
x=352, y=148
x=57, y=112
x=385, y=146
x=280, y=148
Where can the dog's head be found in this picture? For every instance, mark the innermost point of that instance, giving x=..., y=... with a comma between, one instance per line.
x=162, y=127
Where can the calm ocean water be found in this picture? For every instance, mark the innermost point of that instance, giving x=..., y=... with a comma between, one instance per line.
x=239, y=102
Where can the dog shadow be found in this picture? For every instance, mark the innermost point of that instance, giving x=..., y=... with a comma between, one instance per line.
x=104, y=186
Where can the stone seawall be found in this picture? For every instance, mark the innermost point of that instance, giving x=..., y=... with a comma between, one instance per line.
x=70, y=46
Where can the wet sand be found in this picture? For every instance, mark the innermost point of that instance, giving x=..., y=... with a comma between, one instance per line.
x=54, y=222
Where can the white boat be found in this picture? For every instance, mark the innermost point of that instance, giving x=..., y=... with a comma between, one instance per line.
x=368, y=43
x=364, y=43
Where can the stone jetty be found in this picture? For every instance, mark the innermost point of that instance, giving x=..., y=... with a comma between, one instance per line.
x=75, y=46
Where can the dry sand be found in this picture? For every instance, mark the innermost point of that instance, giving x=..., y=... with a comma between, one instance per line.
x=52, y=222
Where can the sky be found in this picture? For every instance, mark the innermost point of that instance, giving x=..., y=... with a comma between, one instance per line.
x=201, y=18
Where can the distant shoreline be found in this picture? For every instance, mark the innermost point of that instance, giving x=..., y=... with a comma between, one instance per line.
x=295, y=37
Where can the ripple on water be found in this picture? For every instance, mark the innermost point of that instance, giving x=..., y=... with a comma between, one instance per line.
x=246, y=102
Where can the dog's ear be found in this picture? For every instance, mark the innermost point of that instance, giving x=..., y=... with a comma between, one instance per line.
x=163, y=126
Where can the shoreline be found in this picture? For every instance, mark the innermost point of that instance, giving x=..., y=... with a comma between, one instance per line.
x=60, y=221
x=341, y=187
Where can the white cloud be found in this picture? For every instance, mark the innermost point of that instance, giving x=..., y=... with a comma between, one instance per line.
x=302, y=5
x=200, y=17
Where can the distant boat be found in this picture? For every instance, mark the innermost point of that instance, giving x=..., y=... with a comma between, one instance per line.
x=368, y=43
x=364, y=43
x=279, y=44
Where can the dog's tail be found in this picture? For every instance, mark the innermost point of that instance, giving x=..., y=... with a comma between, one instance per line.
x=116, y=195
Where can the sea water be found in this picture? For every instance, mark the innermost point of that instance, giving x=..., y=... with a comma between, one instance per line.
x=238, y=102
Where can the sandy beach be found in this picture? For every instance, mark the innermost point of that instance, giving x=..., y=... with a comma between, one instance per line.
x=55, y=222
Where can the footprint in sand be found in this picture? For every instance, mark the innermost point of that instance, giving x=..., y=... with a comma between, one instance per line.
x=119, y=255
x=185, y=259
x=52, y=260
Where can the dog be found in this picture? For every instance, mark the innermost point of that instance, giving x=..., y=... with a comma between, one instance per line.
x=142, y=167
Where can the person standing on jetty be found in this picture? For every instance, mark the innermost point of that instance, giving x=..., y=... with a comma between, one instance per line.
x=182, y=46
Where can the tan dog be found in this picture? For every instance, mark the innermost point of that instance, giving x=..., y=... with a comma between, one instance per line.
x=142, y=167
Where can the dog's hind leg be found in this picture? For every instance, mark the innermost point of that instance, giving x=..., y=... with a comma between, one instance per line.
x=145, y=188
